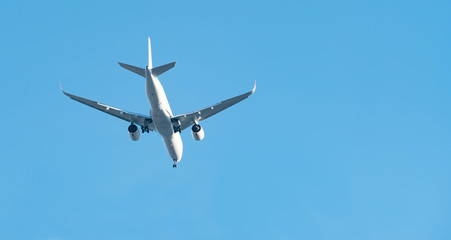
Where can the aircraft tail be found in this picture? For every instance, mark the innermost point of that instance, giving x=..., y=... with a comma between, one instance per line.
x=137, y=70
x=149, y=54
x=161, y=69
x=155, y=71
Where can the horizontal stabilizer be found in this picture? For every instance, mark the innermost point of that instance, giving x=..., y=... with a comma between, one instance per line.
x=161, y=69
x=137, y=70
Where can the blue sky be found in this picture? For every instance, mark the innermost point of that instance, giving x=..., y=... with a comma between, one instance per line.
x=347, y=137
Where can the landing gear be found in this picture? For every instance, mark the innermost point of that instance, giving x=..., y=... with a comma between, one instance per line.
x=175, y=164
x=145, y=129
x=176, y=125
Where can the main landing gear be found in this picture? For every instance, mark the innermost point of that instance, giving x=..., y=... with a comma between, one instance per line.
x=145, y=129
x=176, y=125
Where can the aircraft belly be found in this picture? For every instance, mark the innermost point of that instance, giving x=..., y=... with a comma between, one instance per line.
x=161, y=116
x=162, y=123
x=174, y=146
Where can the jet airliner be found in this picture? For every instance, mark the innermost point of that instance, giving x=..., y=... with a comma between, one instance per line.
x=161, y=118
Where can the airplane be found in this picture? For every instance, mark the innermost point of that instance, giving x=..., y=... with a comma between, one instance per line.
x=161, y=118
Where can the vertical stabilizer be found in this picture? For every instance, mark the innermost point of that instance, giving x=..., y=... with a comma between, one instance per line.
x=149, y=54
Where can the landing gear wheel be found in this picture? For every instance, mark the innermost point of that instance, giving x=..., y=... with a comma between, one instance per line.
x=145, y=129
x=174, y=165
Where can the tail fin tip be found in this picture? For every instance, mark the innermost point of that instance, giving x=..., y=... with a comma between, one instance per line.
x=149, y=53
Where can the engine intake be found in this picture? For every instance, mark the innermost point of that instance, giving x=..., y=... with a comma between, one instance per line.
x=198, y=132
x=133, y=132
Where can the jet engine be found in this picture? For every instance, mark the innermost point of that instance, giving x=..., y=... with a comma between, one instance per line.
x=134, y=132
x=198, y=132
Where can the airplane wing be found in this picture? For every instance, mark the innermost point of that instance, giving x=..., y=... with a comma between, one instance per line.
x=136, y=118
x=189, y=119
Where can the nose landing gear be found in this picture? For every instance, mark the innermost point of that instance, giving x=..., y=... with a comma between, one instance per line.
x=174, y=165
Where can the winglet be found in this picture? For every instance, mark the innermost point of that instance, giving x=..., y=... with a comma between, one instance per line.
x=61, y=88
x=255, y=86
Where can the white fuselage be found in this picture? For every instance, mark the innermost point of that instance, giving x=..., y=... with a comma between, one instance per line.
x=161, y=116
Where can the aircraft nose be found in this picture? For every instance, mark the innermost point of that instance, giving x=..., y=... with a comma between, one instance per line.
x=178, y=147
x=179, y=151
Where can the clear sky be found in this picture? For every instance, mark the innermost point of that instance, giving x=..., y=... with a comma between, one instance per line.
x=348, y=135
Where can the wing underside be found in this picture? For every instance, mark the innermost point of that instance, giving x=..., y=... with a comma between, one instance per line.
x=186, y=120
x=142, y=120
x=189, y=119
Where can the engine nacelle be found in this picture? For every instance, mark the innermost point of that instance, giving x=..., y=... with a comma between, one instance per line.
x=134, y=132
x=198, y=132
